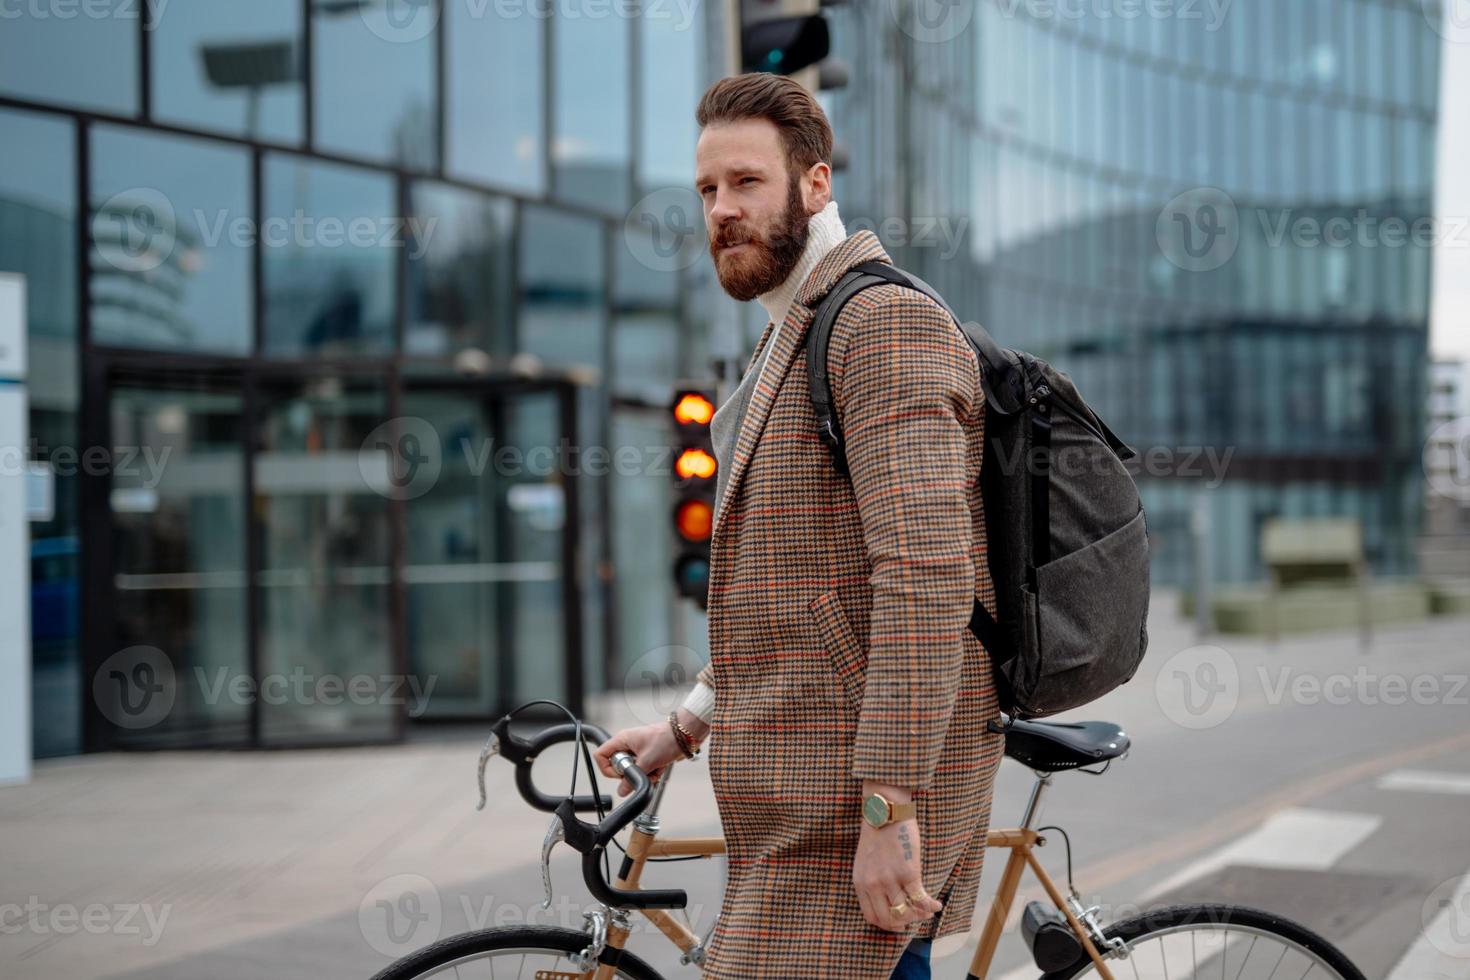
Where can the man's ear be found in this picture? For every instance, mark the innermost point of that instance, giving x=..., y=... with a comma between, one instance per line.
x=816, y=187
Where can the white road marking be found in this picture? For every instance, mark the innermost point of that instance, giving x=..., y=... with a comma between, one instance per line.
x=1442, y=951
x=1424, y=781
x=1296, y=837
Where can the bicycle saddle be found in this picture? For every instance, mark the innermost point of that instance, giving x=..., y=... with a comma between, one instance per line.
x=1053, y=746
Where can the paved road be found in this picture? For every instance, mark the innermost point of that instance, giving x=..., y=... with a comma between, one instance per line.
x=1315, y=778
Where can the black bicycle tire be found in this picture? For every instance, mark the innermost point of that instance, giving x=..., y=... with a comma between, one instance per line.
x=1171, y=916
x=550, y=938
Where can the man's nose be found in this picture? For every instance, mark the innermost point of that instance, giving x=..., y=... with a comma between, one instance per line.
x=722, y=211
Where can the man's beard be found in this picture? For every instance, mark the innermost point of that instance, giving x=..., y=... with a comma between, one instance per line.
x=767, y=260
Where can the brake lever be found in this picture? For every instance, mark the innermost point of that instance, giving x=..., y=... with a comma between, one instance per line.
x=556, y=832
x=492, y=748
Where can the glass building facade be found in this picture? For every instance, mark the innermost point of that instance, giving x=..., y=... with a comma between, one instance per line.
x=335, y=319
x=351, y=338
x=1215, y=218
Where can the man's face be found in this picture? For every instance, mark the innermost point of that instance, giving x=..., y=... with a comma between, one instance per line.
x=755, y=211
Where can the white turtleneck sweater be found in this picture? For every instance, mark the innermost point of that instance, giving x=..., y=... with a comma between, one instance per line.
x=824, y=232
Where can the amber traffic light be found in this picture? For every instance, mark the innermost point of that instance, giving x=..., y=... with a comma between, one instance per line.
x=695, y=469
x=694, y=520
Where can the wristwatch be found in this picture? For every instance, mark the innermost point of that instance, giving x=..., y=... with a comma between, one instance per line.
x=880, y=811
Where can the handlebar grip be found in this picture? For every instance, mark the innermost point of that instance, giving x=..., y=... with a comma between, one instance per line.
x=593, y=840
x=524, y=754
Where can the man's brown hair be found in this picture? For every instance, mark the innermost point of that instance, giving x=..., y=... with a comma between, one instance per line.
x=805, y=132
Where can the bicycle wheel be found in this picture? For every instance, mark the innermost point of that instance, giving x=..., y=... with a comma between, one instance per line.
x=514, y=951
x=1179, y=942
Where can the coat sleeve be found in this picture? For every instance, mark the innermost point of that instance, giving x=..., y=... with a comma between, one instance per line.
x=904, y=386
x=706, y=676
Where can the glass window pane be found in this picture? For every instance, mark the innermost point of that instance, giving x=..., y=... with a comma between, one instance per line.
x=460, y=272
x=224, y=65
x=38, y=217
x=324, y=572
x=590, y=149
x=82, y=54
x=38, y=240
x=562, y=275
x=373, y=81
x=178, y=559
x=329, y=245
x=496, y=130
x=171, y=242
x=670, y=64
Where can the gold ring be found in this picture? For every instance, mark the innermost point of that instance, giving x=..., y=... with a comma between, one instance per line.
x=919, y=897
x=898, y=909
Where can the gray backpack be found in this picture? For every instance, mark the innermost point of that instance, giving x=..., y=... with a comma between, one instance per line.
x=1066, y=540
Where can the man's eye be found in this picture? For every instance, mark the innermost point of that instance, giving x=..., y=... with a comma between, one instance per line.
x=744, y=179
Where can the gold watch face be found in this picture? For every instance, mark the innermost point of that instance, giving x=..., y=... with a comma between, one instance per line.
x=875, y=809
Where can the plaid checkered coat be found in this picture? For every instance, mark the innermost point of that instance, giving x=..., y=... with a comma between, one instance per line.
x=838, y=612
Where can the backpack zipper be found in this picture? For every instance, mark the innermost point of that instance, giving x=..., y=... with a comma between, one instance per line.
x=1043, y=392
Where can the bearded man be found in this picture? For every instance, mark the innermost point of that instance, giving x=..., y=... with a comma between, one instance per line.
x=845, y=699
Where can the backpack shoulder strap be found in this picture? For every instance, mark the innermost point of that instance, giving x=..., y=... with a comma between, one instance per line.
x=819, y=339
x=1000, y=374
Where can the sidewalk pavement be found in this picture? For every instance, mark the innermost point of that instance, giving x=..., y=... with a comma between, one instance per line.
x=127, y=863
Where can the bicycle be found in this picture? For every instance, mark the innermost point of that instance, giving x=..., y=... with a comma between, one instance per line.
x=1066, y=940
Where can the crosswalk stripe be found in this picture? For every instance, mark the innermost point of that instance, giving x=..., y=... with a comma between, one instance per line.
x=1297, y=837
x=1425, y=781
x=1442, y=951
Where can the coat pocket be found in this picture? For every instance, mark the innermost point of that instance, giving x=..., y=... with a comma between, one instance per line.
x=848, y=659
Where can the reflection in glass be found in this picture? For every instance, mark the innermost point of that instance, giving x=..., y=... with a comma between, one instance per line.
x=484, y=566
x=76, y=60
x=170, y=267
x=223, y=65
x=590, y=150
x=324, y=567
x=670, y=66
x=496, y=130
x=460, y=272
x=561, y=287
x=642, y=550
x=178, y=517
x=373, y=81
x=330, y=249
x=38, y=240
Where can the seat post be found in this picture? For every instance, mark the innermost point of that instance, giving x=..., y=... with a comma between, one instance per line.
x=1033, y=805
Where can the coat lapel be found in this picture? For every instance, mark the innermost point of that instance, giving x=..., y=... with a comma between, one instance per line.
x=861, y=246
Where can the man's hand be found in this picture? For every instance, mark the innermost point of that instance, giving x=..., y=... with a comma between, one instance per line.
x=652, y=747
x=888, y=869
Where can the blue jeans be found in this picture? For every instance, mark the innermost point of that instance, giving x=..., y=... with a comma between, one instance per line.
x=915, y=962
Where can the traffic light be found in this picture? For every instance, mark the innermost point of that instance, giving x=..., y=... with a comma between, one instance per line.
x=783, y=45
x=785, y=36
x=694, y=489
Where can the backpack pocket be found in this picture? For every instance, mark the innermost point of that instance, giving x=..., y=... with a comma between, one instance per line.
x=1091, y=608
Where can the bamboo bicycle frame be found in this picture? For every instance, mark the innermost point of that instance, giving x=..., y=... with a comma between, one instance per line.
x=645, y=844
